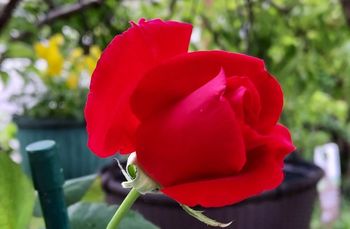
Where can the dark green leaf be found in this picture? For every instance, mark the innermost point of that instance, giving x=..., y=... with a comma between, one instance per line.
x=75, y=189
x=97, y=216
x=95, y=192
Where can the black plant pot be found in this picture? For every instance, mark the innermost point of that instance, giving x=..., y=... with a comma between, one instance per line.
x=287, y=207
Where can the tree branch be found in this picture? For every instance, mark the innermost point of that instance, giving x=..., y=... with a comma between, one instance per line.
x=215, y=34
x=7, y=12
x=50, y=4
x=279, y=8
x=171, y=8
x=346, y=9
x=249, y=25
x=66, y=11
x=60, y=13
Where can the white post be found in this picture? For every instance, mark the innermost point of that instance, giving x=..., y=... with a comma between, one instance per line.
x=327, y=157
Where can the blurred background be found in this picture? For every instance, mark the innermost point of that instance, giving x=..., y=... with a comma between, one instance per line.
x=49, y=48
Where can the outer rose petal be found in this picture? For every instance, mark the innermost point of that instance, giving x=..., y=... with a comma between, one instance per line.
x=271, y=99
x=260, y=173
x=279, y=137
x=110, y=123
x=263, y=171
x=198, y=138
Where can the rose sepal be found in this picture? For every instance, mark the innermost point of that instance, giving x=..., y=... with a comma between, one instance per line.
x=203, y=218
x=136, y=177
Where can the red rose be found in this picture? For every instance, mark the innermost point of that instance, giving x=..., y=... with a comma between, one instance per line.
x=203, y=124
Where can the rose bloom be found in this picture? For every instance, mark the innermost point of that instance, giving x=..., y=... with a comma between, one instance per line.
x=203, y=124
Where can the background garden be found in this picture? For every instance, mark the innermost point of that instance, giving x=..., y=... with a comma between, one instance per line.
x=49, y=48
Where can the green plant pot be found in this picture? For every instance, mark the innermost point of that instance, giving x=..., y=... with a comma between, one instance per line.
x=71, y=138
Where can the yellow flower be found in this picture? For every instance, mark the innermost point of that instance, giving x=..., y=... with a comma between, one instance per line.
x=55, y=61
x=72, y=81
x=76, y=53
x=40, y=50
x=90, y=63
x=56, y=39
x=95, y=51
x=49, y=51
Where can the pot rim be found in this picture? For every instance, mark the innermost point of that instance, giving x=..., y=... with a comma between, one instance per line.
x=310, y=172
x=25, y=122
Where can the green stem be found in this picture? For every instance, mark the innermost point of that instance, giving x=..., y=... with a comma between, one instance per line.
x=123, y=209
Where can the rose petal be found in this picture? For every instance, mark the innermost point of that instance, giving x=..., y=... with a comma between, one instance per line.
x=271, y=100
x=198, y=138
x=279, y=138
x=171, y=81
x=110, y=123
x=244, y=99
x=260, y=173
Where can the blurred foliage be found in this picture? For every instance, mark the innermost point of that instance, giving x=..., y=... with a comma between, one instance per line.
x=14, y=191
x=56, y=79
x=305, y=44
x=7, y=134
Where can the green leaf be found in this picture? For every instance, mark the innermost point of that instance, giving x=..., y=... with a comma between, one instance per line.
x=97, y=215
x=4, y=77
x=16, y=195
x=74, y=191
x=95, y=192
x=19, y=49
